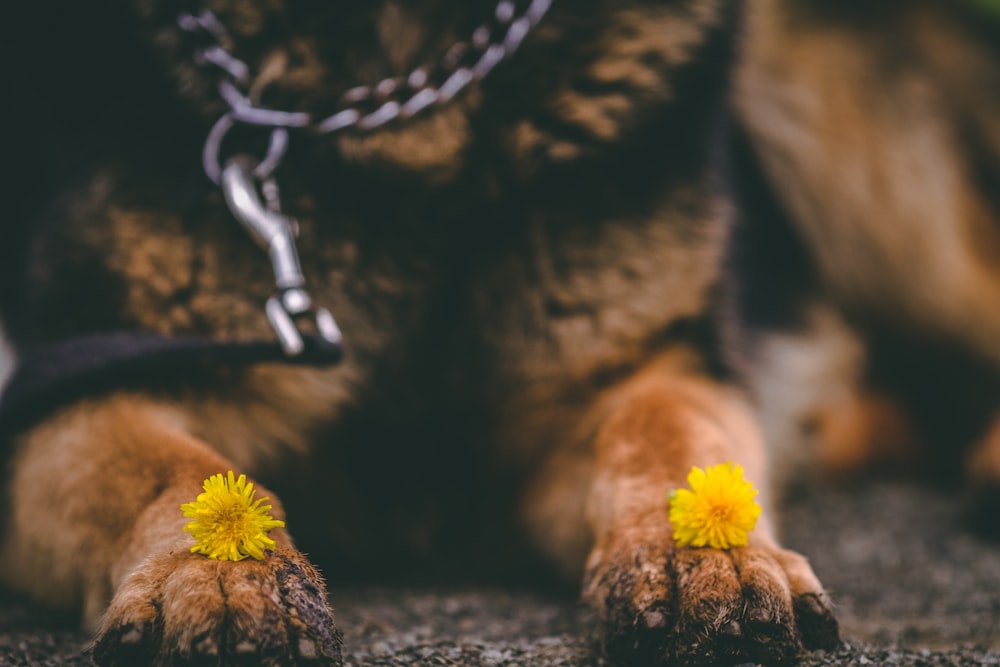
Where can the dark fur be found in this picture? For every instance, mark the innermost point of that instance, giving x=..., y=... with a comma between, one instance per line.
x=529, y=285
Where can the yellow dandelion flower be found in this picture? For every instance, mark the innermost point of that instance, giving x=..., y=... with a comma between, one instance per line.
x=227, y=523
x=718, y=511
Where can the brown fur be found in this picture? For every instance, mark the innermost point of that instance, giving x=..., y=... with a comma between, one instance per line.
x=876, y=176
x=527, y=280
x=659, y=428
x=878, y=131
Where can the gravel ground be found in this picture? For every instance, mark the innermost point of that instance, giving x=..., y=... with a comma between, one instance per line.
x=913, y=588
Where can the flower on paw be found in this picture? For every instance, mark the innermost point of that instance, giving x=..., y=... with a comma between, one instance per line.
x=226, y=522
x=718, y=511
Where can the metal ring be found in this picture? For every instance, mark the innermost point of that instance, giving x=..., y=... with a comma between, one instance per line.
x=380, y=116
x=277, y=145
x=204, y=20
x=245, y=112
x=537, y=10
x=211, y=153
x=213, y=146
x=222, y=59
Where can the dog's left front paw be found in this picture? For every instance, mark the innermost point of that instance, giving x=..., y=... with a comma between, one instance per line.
x=660, y=605
x=184, y=609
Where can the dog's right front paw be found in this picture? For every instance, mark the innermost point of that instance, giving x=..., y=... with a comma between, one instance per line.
x=184, y=609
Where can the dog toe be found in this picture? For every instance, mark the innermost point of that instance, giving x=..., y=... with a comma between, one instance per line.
x=125, y=644
x=817, y=624
x=710, y=627
x=635, y=603
x=813, y=610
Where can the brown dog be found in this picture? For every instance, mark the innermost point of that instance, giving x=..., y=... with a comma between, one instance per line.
x=527, y=274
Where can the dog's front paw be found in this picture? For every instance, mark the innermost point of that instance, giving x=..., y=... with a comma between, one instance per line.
x=184, y=609
x=661, y=605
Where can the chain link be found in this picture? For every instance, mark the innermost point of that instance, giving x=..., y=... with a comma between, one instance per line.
x=362, y=107
x=249, y=187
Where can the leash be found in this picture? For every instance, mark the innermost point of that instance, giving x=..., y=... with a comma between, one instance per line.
x=55, y=373
x=249, y=185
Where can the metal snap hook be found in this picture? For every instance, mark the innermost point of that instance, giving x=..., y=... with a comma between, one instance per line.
x=275, y=233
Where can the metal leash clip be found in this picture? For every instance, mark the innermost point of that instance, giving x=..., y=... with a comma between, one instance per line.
x=250, y=189
x=275, y=233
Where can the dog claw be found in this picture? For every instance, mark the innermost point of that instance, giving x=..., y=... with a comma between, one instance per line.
x=731, y=629
x=655, y=620
x=817, y=624
x=307, y=648
x=207, y=647
x=245, y=647
x=128, y=645
x=132, y=635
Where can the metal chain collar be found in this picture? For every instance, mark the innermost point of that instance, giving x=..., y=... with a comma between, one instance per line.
x=248, y=185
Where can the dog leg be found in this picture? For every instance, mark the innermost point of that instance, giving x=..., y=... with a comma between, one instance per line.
x=95, y=523
x=660, y=604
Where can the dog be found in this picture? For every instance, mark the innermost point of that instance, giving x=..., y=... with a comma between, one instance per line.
x=526, y=275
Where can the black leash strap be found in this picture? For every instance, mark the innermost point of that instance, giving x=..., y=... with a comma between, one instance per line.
x=51, y=375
